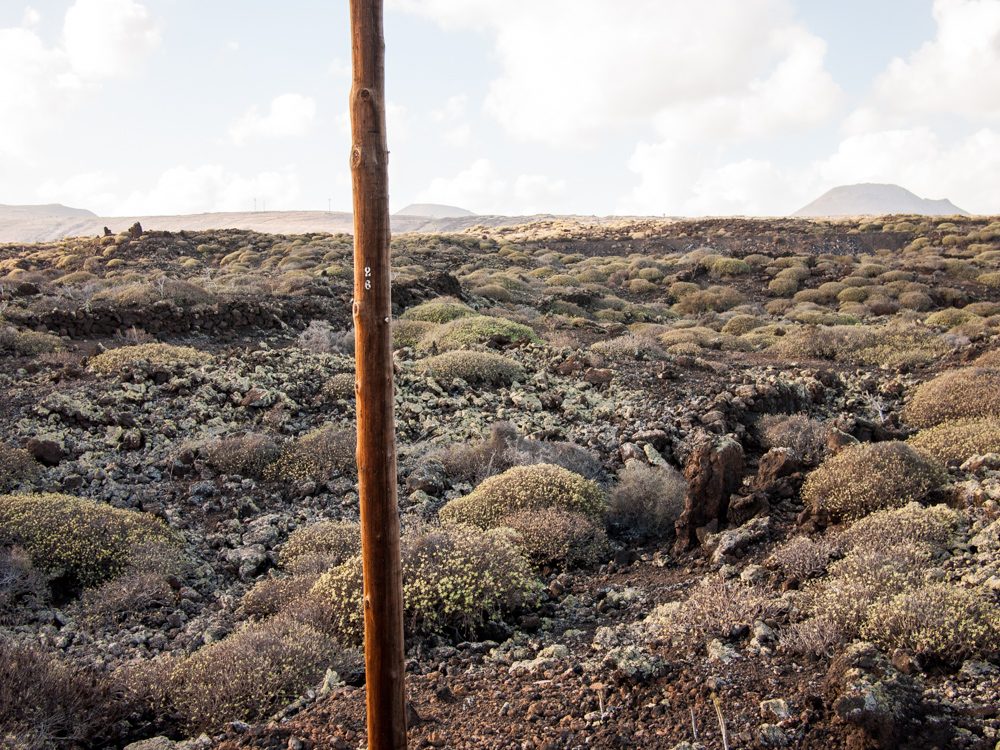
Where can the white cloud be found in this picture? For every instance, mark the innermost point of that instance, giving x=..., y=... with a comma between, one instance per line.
x=211, y=187
x=96, y=191
x=289, y=115
x=108, y=38
x=676, y=181
x=180, y=190
x=964, y=170
x=482, y=188
x=571, y=70
x=39, y=83
x=31, y=17
x=452, y=122
x=957, y=72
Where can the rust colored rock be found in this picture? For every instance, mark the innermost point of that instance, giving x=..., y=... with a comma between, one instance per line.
x=598, y=376
x=775, y=464
x=714, y=471
x=837, y=440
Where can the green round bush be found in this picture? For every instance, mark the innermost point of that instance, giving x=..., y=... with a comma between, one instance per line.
x=82, y=541
x=251, y=674
x=321, y=545
x=453, y=577
x=477, y=329
x=730, y=267
x=438, y=311
x=968, y=393
x=472, y=367
x=868, y=477
x=526, y=488
x=956, y=440
x=557, y=537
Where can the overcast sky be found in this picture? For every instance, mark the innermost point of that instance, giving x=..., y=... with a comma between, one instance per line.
x=567, y=106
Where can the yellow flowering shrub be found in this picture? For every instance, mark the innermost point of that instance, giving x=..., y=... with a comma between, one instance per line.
x=473, y=367
x=321, y=545
x=116, y=360
x=531, y=487
x=83, y=540
x=958, y=439
x=940, y=620
x=957, y=394
x=316, y=456
x=869, y=477
x=453, y=577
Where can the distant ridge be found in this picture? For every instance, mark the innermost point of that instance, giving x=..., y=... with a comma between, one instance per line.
x=434, y=211
x=875, y=199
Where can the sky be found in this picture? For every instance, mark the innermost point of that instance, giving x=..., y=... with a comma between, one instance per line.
x=653, y=107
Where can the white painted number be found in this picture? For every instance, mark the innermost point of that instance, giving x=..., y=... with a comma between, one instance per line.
x=368, y=280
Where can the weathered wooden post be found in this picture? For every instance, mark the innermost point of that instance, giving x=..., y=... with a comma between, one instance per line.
x=383, y=580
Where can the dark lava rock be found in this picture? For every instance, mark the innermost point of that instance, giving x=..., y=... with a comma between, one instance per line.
x=714, y=471
x=866, y=691
x=46, y=452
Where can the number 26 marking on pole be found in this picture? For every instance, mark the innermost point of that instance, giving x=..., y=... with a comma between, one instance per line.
x=368, y=277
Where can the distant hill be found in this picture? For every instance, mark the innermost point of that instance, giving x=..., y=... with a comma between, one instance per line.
x=53, y=222
x=873, y=199
x=434, y=211
x=46, y=222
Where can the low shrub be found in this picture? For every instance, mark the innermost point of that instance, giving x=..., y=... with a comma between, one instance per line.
x=164, y=355
x=647, y=500
x=713, y=607
x=868, y=477
x=319, y=337
x=27, y=343
x=526, y=488
x=935, y=525
x=454, y=577
x=137, y=598
x=22, y=586
x=143, y=294
x=956, y=440
x=802, y=557
x=407, y=333
x=250, y=674
x=740, y=324
x=81, y=541
x=948, y=318
x=340, y=387
x=472, y=367
x=48, y=704
x=440, y=310
x=802, y=434
x=247, y=455
x=316, y=456
x=630, y=346
x=552, y=537
x=969, y=393
x=939, y=620
x=712, y=299
x=276, y=594
x=320, y=546
x=475, y=330
x=16, y=466
x=730, y=267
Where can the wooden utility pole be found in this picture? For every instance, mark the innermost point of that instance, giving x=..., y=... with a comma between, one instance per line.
x=383, y=578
